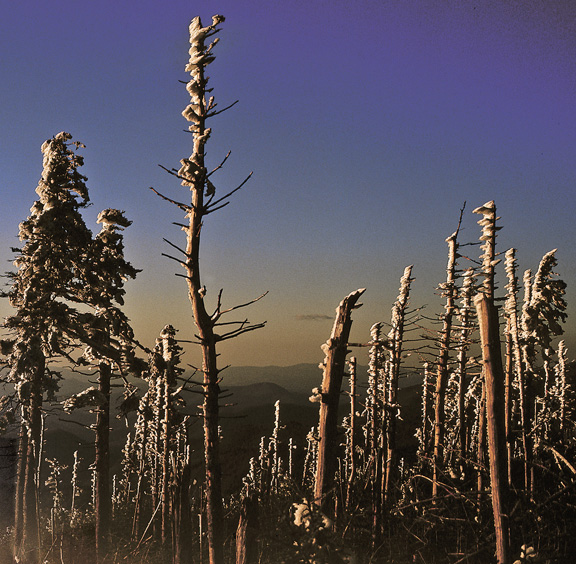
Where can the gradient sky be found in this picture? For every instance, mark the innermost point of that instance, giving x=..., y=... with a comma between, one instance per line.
x=367, y=125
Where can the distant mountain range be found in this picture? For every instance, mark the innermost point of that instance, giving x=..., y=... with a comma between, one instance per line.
x=249, y=395
x=300, y=378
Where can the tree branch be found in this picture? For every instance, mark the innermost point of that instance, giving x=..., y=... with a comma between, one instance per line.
x=209, y=208
x=184, y=207
x=212, y=114
x=176, y=247
x=219, y=166
x=221, y=313
x=240, y=331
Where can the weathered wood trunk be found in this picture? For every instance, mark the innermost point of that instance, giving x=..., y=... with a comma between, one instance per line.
x=495, y=418
x=214, y=509
x=19, y=498
x=450, y=292
x=336, y=349
x=352, y=446
x=102, y=465
x=247, y=532
x=166, y=474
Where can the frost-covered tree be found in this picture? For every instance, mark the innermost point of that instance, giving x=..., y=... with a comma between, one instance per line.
x=450, y=293
x=195, y=176
x=60, y=267
x=396, y=343
x=43, y=291
x=489, y=262
x=109, y=345
x=543, y=311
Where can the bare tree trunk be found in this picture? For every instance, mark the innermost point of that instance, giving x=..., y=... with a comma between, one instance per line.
x=102, y=465
x=214, y=509
x=352, y=446
x=463, y=346
x=495, y=416
x=481, y=442
x=336, y=349
x=247, y=532
x=396, y=337
x=449, y=291
x=508, y=377
x=166, y=474
x=19, y=499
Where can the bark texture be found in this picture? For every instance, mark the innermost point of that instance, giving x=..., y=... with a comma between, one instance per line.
x=336, y=349
x=495, y=418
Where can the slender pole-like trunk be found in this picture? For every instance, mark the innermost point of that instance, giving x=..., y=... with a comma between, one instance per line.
x=19, y=499
x=352, y=445
x=495, y=417
x=481, y=444
x=166, y=474
x=102, y=465
x=396, y=337
x=462, y=359
x=442, y=369
x=336, y=349
x=508, y=378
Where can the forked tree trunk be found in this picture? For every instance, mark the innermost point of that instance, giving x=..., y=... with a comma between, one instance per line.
x=495, y=418
x=28, y=551
x=336, y=349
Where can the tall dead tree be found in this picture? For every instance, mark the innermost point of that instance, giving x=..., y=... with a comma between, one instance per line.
x=466, y=327
x=489, y=262
x=514, y=365
x=495, y=418
x=450, y=292
x=396, y=340
x=335, y=349
x=351, y=455
x=195, y=176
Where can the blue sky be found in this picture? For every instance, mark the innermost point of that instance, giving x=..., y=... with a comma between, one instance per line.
x=367, y=125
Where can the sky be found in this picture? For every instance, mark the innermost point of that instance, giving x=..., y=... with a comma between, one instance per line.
x=367, y=125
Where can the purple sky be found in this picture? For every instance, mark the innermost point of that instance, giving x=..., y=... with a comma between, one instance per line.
x=367, y=125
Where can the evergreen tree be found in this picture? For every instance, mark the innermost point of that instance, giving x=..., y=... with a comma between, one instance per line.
x=43, y=290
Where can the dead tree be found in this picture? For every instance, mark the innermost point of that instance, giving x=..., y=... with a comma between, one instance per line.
x=352, y=365
x=514, y=366
x=489, y=262
x=336, y=349
x=247, y=531
x=466, y=327
x=396, y=339
x=449, y=291
x=495, y=417
x=194, y=175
